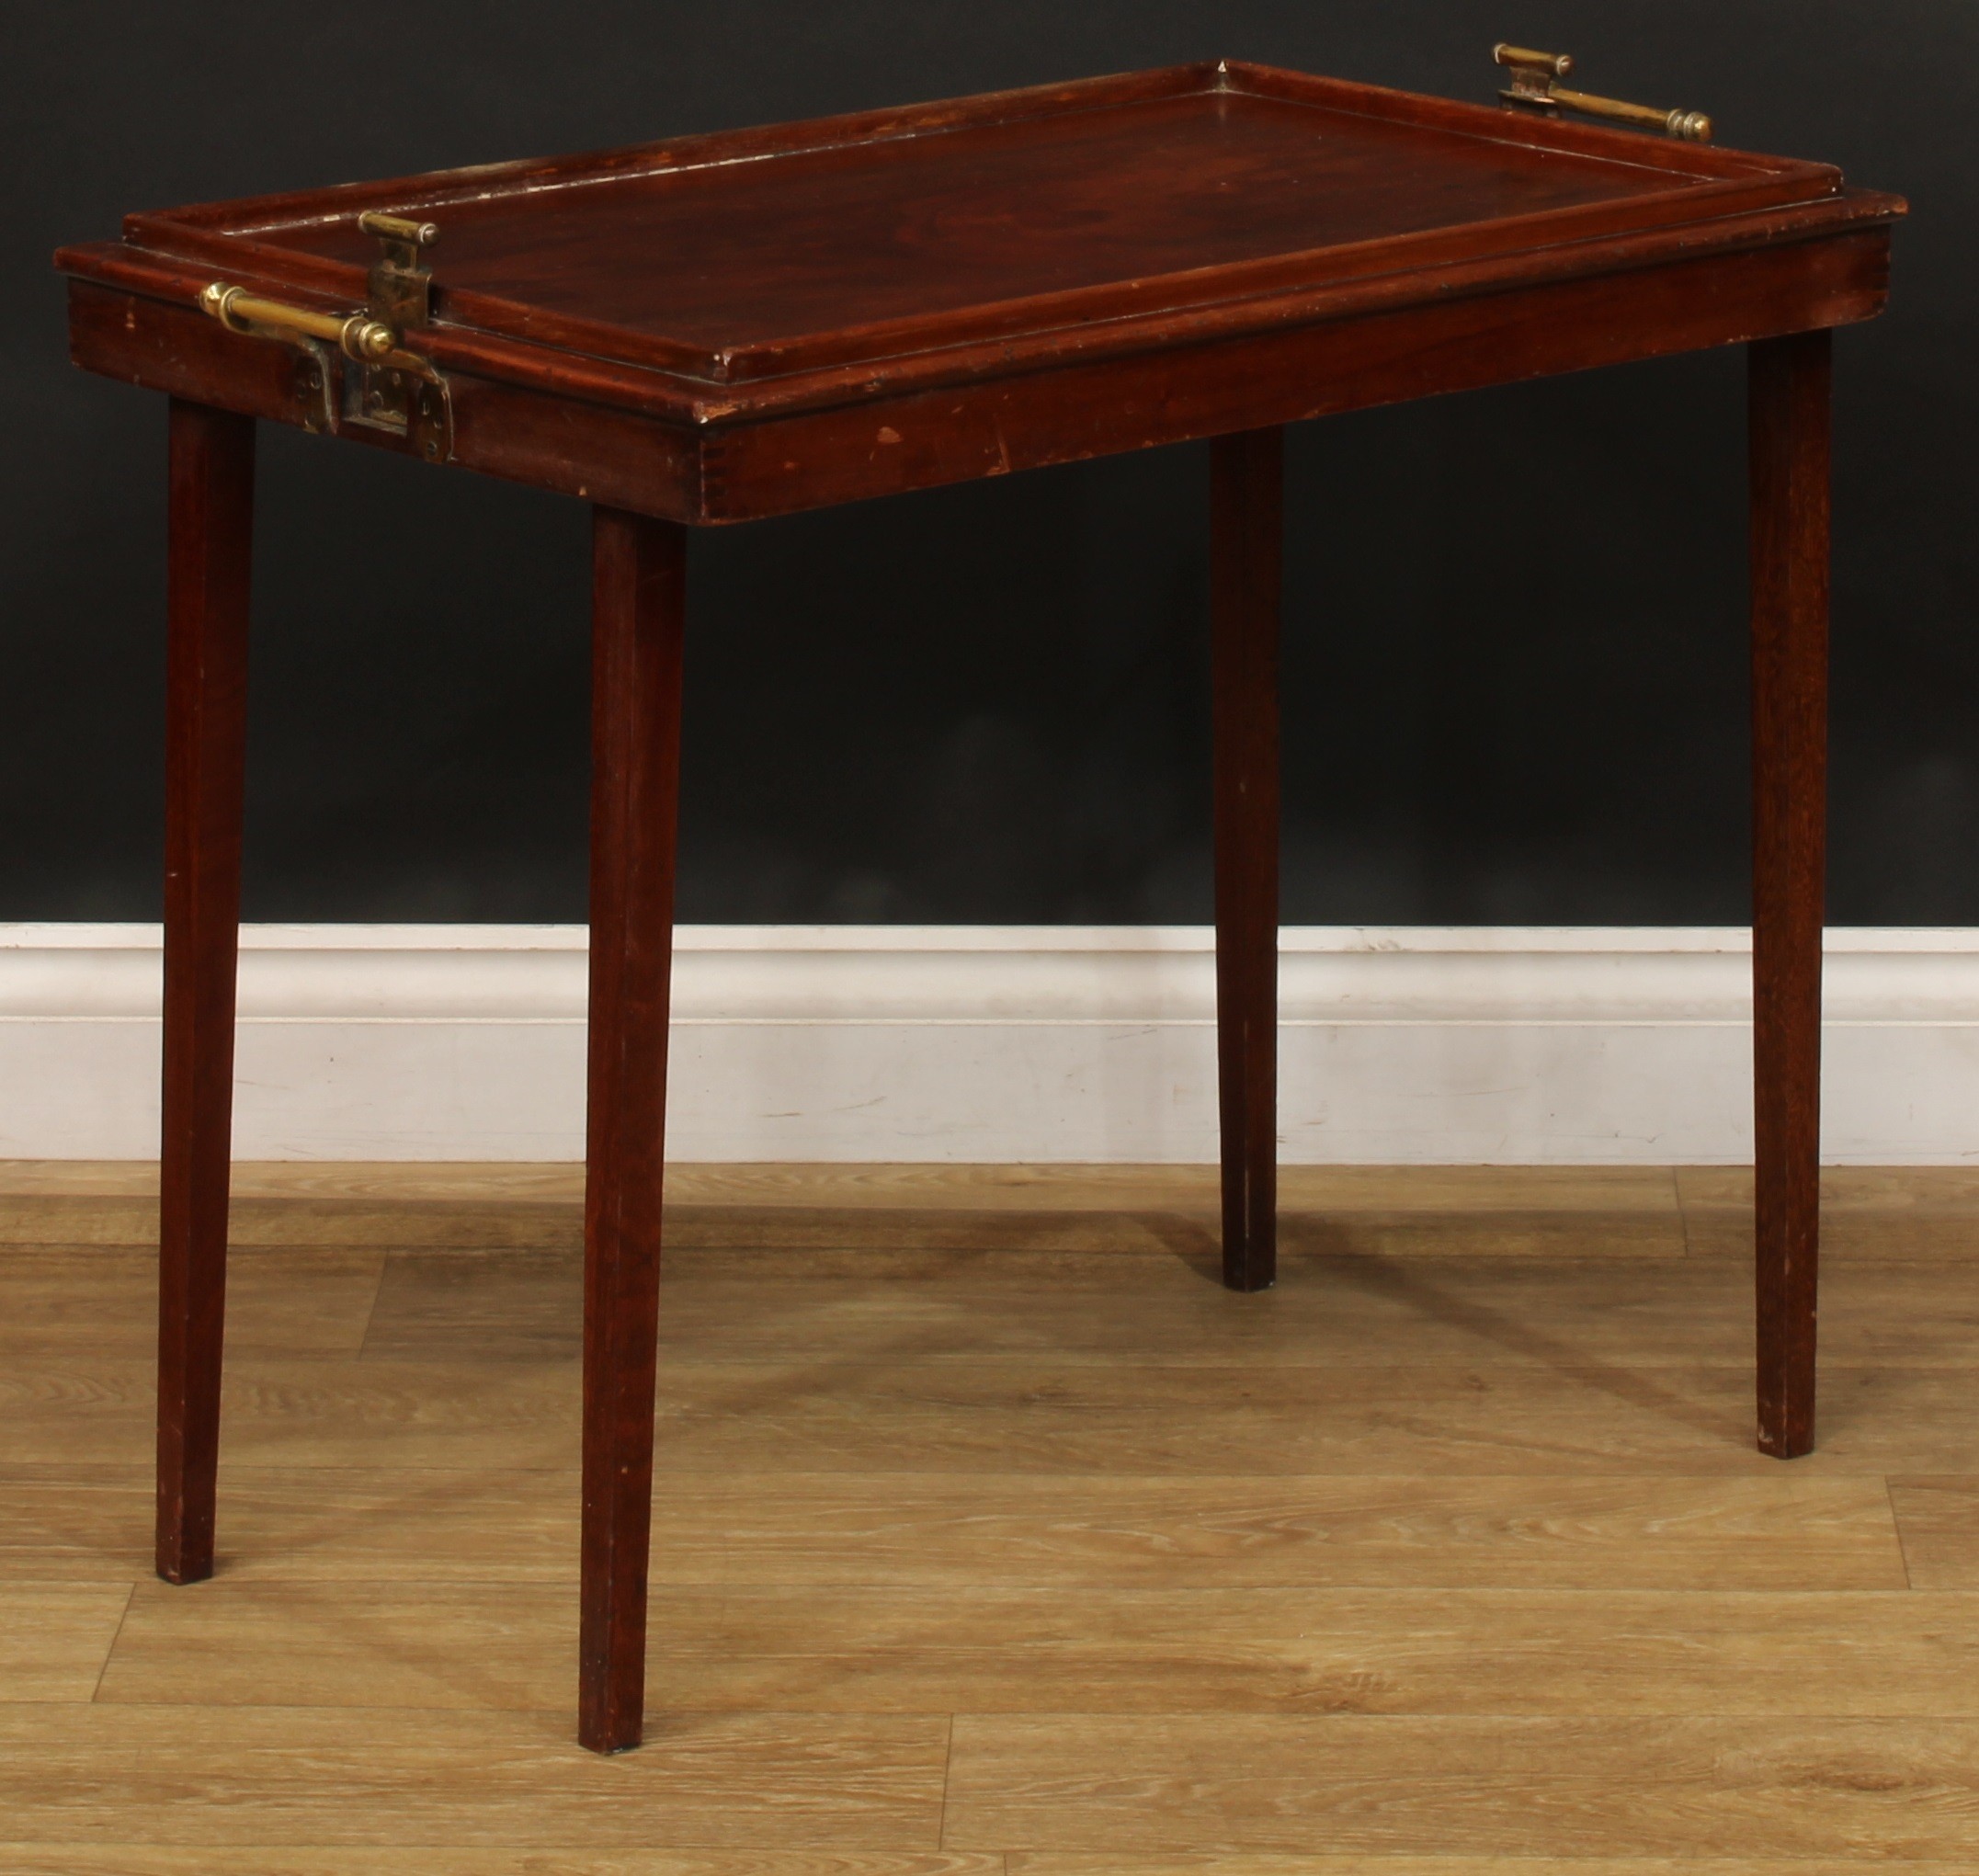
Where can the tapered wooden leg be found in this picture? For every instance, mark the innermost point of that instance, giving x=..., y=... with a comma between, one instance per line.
x=638, y=601
x=1790, y=648
x=1246, y=477
x=211, y=516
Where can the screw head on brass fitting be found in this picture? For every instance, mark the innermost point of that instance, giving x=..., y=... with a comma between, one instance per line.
x=367, y=339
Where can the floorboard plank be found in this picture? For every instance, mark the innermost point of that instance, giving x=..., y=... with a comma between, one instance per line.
x=1568, y=1786
x=1869, y=1214
x=124, y=1860
x=1070, y=1651
x=105, y=1301
x=328, y=1777
x=1352, y=1311
x=873, y=1415
x=218, y=1860
x=1779, y=1530
x=1476, y=1210
x=1077, y=1863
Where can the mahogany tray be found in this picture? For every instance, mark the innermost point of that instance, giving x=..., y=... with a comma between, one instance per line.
x=805, y=314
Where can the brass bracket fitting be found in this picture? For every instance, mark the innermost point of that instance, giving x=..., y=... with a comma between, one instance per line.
x=399, y=286
x=382, y=387
x=1535, y=87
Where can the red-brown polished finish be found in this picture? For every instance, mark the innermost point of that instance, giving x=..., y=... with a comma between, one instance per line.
x=719, y=328
x=1789, y=383
x=645, y=442
x=893, y=300
x=211, y=519
x=1247, y=503
x=863, y=240
x=639, y=593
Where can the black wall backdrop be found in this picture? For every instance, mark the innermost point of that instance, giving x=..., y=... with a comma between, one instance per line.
x=990, y=704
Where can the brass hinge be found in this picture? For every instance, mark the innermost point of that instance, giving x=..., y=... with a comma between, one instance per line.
x=355, y=367
x=1533, y=89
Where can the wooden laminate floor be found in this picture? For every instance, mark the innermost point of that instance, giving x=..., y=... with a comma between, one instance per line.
x=993, y=1535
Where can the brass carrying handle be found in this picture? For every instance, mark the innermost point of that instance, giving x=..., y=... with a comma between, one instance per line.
x=397, y=228
x=1534, y=86
x=369, y=340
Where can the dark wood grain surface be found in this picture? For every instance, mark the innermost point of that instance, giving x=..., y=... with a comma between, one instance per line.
x=638, y=439
x=211, y=522
x=751, y=255
x=1790, y=397
x=823, y=312
x=1247, y=560
x=638, y=638
x=840, y=252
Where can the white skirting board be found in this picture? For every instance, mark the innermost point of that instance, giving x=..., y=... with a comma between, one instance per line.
x=1492, y=1045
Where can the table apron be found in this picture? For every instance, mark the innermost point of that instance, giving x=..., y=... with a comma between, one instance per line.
x=1080, y=411
x=618, y=458
x=1077, y=409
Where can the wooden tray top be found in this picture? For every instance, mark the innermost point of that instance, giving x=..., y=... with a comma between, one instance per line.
x=749, y=254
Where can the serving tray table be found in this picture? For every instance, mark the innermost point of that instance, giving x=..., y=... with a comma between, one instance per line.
x=719, y=328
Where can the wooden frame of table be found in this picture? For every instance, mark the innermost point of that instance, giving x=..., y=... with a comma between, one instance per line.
x=750, y=324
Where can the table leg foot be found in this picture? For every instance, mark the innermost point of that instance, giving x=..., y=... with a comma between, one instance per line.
x=1790, y=397
x=639, y=591
x=212, y=514
x=1246, y=477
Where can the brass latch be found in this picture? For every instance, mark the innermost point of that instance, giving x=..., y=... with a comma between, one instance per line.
x=369, y=378
x=1533, y=89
